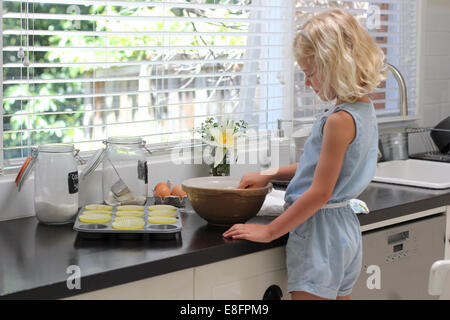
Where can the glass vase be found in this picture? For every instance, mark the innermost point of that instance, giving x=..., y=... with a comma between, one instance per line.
x=223, y=168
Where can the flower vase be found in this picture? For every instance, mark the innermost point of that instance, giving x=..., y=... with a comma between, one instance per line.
x=222, y=169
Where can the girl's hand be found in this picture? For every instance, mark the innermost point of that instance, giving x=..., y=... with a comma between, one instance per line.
x=252, y=232
x=253, y=180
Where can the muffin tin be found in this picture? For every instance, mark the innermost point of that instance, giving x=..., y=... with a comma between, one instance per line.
x=161, y=229
x=175, y=201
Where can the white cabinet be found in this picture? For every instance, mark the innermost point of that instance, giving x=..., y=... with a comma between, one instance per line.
x=245, y=277
x=177, y=285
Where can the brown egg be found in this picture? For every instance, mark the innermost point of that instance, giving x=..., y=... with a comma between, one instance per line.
x=162, y=190
x=178, y=191
x=160, y=184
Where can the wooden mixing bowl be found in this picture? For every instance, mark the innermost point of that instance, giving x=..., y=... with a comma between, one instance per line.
x=220, y=203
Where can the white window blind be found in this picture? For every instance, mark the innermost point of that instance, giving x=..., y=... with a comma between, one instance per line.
x=158, y=68
x=155, y=69
x=392, y=23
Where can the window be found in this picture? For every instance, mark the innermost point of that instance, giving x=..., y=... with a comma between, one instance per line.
x=150, y=68
x=392, y=23
x=158, y=68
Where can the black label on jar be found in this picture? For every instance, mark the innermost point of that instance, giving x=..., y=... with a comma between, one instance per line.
x=143, y=171
x=73, y=182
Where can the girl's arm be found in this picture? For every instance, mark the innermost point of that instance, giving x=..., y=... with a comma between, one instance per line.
x=338, y=132
x=260, y=179
x=285, y=173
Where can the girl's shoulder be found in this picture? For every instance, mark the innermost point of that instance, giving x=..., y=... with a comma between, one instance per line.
x=342, y=122
x=358, y=106
x=360, y=111
x=341, y=117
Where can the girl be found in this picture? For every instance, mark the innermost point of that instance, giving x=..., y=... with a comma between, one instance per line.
x=324, y=252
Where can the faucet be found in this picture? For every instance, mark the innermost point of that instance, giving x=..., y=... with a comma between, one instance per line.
x=403, y=105
x=401, y=87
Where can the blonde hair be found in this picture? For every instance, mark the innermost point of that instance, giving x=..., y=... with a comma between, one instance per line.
x=343, y=52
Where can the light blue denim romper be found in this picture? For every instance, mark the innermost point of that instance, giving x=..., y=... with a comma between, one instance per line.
x=324, y=254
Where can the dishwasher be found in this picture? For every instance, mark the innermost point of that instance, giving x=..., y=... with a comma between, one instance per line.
x=397, y=259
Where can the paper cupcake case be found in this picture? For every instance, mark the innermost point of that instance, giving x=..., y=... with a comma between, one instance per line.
x=159, y=226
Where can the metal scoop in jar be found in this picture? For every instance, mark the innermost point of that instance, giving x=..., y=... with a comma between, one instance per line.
x=122, y=194
x=119, y=188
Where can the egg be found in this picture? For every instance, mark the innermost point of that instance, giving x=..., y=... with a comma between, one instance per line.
x=178, y=191
x=160, y=184
x=162, y=191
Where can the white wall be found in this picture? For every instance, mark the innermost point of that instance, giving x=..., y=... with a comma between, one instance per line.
x=14, y=204
x=436, y=62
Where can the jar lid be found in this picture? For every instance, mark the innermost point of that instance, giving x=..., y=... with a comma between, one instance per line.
x=124, y=140
x=56, y=147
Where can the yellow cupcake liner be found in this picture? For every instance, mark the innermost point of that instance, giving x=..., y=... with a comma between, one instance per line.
x=98, y=207
x=128, y=223
x=162, y=207
x=130, y=207
x=162, y=220
x=94, y=218
x=130, y=213
x=162, y=213
x=97, y=212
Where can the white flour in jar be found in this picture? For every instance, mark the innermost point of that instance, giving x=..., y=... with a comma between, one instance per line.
x=55, y=214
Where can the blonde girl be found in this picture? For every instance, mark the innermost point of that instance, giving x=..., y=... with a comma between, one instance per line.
x=341, y=62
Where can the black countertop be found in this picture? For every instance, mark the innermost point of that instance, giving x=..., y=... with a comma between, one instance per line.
x=35, y=257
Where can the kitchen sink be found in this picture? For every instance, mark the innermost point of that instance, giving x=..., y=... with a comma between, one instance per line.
x=417, y=173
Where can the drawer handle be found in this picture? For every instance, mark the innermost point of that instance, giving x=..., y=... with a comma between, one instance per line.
x=273, y=293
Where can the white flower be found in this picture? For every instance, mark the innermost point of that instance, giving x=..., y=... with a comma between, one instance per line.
x=224, y=139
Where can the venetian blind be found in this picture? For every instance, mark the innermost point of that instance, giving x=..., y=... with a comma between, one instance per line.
x=393, y=25
x=156, y=69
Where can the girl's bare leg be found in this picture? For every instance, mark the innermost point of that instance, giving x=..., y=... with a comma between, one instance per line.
x=302, y=295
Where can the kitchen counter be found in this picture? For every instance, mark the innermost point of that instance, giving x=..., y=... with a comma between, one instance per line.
x=35, y=257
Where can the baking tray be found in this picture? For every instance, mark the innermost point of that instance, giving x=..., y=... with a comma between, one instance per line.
x=155, y=230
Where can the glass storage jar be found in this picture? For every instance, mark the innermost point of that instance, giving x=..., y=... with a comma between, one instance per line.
x=125, y=172
x=55, y=183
